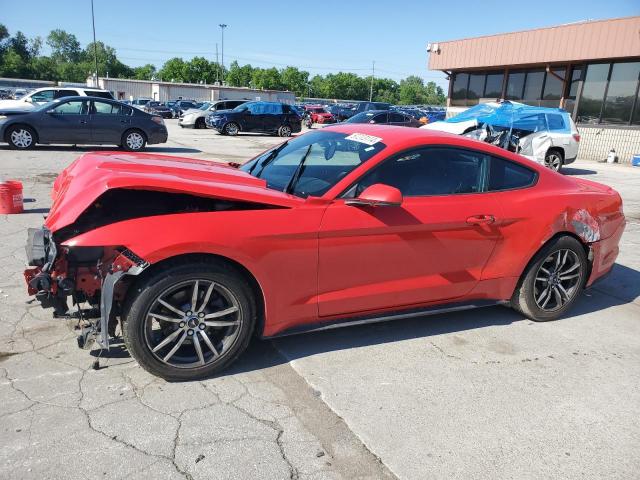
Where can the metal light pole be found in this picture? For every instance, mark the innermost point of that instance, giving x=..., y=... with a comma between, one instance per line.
x=95, y=47
x=222, y=27
x=373, y=73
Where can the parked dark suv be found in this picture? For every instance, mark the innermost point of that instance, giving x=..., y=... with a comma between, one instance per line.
x=265, y=117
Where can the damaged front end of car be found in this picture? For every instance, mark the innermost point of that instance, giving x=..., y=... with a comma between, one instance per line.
x=88, y=277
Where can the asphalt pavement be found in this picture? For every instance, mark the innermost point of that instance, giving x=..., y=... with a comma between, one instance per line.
x=476, y=394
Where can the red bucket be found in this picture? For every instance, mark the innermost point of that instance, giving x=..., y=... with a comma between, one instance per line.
x=11, y=197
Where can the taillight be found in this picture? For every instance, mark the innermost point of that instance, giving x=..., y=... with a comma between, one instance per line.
x=576, y=137
x=158, y=120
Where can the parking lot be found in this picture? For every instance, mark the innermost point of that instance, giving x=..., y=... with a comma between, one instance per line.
x=477, y=394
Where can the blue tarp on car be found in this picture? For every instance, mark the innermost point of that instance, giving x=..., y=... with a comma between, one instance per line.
x=517, y=116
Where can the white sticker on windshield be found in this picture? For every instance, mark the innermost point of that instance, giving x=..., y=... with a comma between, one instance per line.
x=364, y=138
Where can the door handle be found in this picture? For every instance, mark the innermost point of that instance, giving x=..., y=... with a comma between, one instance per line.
x=83, y=121
x=481, y=219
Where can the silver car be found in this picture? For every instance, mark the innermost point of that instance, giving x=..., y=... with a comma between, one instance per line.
x=195, y=117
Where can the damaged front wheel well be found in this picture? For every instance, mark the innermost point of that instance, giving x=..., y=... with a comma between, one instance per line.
x=208, y=259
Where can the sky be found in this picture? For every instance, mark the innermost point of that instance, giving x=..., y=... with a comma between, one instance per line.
x=318, y=36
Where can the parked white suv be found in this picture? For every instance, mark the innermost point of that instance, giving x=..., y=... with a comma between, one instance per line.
x=46, y=95
x=195, y=117
x=545, y=135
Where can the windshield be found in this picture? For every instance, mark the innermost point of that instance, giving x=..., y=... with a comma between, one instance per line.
x=364, y=117
x=204, y=106
x=327, y=156
x=241, y=108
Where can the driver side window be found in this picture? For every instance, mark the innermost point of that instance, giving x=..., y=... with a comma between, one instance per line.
x=71, y=108
x=429, y=171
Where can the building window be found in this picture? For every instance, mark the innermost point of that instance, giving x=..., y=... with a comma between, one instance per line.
x=459, y=90
x=476, y=88
x=515, y=85
x=533, y=87
x=621, y=93
x=609, y=94
x=553, y=87
x=574, y=83
x=493, y=87
x=469, y=88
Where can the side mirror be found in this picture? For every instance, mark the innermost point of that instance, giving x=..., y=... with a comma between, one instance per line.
x=28, y=99
x=378, y=195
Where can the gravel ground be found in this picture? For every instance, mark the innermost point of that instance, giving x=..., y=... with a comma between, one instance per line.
x=481, y=394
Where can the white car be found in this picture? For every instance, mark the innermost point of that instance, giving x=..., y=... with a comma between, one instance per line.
x=41, y=96
x=195, y=117
x=545, y=135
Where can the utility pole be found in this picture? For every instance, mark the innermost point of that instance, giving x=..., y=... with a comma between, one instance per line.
x=222, y=27
x=373, y=73
x=95, y=47
x=217, y=65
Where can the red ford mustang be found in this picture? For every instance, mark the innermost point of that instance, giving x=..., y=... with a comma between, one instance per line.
x=349, y=224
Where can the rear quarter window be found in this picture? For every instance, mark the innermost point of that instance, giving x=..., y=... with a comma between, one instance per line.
x=506, y=175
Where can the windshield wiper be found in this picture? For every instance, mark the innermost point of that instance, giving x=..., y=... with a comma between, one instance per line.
x=267, y=160
x=298, y=171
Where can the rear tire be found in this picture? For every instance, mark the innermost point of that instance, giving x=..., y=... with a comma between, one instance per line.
x=205, y=350
x=134, y=140
x=553, y=280
x=21, y=137
x=284, y=131
x=554, y=159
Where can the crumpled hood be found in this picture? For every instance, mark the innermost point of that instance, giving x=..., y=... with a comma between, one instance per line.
x=92, y=174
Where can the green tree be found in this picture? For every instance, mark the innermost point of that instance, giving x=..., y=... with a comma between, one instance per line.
x=65, y=47
x=146, y=72
x=173, y=70
x=295, y=80
x=239, y=76
x=267, y=78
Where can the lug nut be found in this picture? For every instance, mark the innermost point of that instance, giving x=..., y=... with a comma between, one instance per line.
x=182, y=324
x=202, y=326
x=190, y=332
x=188, y=312
x=201, y=315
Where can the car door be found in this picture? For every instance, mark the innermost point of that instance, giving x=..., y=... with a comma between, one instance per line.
x=108, y=121
x=431, y=248
x=397, y=119
x=251, y=119
x=273, y=117
x=66, y=122
x=380, y=118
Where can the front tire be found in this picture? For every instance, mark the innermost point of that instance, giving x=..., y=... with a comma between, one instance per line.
x=189, y=321
x=231, y=129
x=134, y=140
x=553, y=280
x=21, y=137
x=200, y=123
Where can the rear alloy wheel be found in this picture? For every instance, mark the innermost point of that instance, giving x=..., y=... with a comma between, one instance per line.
x=21, y=137
x=553, y=160
x=231, y=129
x=284, y=131
x=553, y=281
x=190, y=321
x=134, y=140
